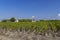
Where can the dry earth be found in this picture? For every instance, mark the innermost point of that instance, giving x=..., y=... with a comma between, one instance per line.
x=25, y=36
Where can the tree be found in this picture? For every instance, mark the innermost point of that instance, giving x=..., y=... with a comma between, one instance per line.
x=5, y=20
x=12, y=19
x=25, y=20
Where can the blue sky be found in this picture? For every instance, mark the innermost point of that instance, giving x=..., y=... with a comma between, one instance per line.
x=43, y=9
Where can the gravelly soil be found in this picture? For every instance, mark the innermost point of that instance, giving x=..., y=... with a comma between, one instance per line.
x=25, y=36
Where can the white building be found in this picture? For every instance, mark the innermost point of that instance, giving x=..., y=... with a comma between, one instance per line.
x=33, y=19
x=16, y=20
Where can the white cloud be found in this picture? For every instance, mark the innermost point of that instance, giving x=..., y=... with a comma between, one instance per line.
x=33, y=16
x=58, y=14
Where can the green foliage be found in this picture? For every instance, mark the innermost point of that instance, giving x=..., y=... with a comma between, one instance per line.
x=25, y=20
x=12, y=19
x=4, y=20
x=38, y=26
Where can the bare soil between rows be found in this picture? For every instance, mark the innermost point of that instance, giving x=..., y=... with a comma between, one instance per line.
x=25, y=36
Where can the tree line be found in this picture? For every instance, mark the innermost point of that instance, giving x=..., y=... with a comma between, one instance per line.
x=14, y=20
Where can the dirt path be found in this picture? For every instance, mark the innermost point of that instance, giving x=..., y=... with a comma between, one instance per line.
x=25, y=36
x=7, y=38
x=2, y=37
